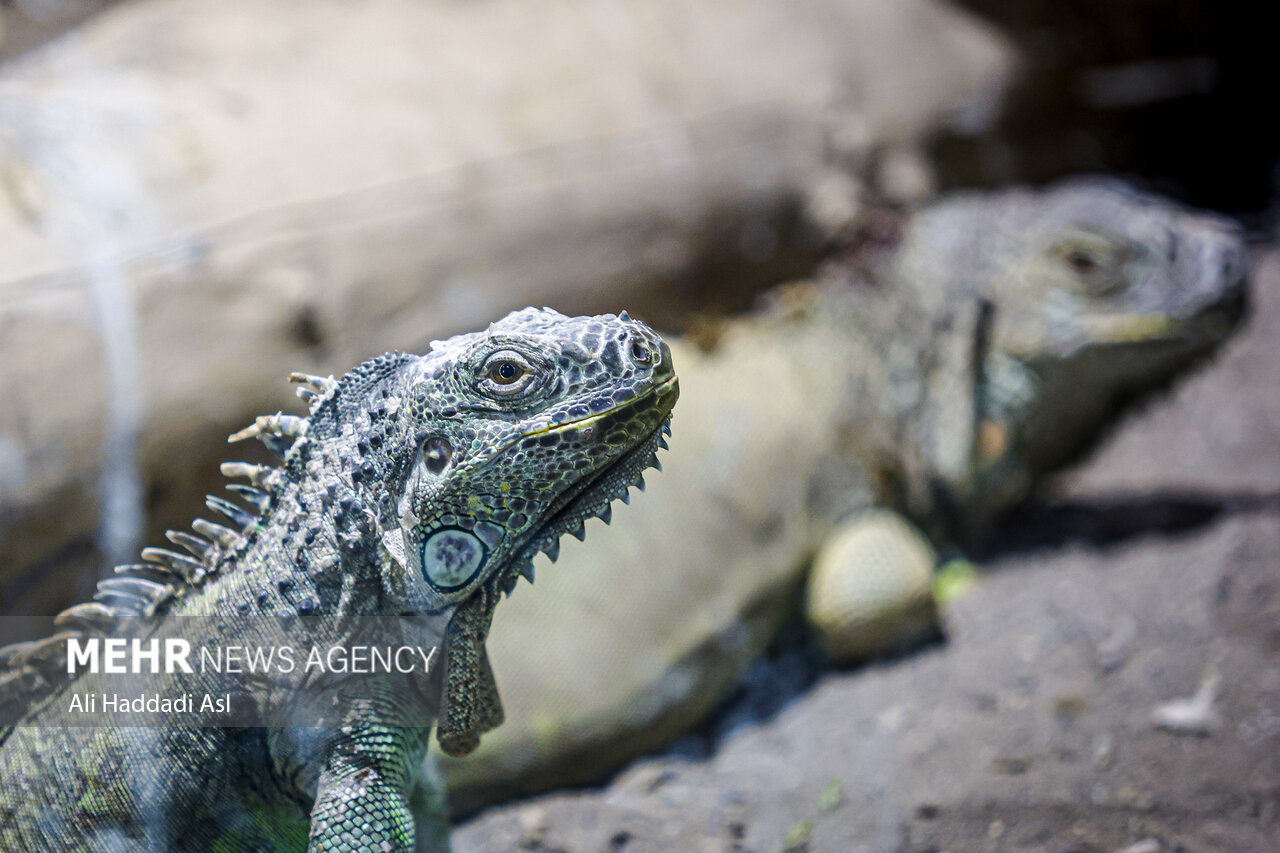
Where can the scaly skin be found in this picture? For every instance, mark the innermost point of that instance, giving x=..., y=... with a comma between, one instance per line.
x=938, y=380
x=417, y=490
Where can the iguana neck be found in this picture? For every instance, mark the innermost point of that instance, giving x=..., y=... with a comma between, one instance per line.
x=896, y=376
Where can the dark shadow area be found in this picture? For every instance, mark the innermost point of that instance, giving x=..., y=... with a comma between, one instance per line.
x=788, y=669
x=736, y=255
x=1114, y=520
x=1169, y=92
x=791, y=665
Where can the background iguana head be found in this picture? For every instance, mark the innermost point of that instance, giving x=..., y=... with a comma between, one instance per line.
x=1070, y=303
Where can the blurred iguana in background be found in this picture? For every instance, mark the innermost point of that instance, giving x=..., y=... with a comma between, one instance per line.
x=891, y=405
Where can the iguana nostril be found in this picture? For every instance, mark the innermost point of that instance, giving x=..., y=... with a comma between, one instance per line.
x=1232, y=265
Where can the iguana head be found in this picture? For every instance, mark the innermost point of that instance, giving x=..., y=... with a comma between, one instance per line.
x=522, y=433
x=513, y=437
x=1076, y=300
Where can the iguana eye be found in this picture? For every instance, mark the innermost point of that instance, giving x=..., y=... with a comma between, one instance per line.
x=1097, y=263
x=1080, y=261
x=506, y=374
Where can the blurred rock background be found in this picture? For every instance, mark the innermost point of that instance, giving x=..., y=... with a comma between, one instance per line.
x=198, y=197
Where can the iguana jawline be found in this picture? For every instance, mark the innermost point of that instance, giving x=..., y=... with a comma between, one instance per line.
x=576, y=504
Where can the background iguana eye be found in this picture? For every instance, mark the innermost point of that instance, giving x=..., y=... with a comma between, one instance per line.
x=1097, y=264
x=1080, y=261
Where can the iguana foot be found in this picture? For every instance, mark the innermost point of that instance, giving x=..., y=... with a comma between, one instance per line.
x=871, y=588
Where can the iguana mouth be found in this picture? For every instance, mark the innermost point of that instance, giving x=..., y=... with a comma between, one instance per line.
x=592, y=497
x=1207, y=326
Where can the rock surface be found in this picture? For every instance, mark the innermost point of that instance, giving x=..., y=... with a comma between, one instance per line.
x=196, y=199
x=1148, y=571
x=24, y=24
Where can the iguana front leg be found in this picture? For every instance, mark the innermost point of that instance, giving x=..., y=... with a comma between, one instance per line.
x=362, y=796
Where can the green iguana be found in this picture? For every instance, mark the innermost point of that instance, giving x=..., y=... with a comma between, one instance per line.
x=903, y=396
x=416, y=490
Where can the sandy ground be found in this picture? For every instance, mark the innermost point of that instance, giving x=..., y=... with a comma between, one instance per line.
x=1146, y=576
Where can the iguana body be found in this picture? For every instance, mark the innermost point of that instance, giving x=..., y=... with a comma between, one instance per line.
x=417, y=489
x=936, y=382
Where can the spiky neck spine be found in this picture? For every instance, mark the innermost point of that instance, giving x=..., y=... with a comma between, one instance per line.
x=278, y=555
